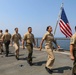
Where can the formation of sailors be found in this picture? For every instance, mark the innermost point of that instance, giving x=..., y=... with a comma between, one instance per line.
x=6, y=38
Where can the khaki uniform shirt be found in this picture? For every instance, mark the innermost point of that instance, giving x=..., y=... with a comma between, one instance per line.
x=73, y=40
x=16, y=37
x=1, y=34
x=6, y=36
x=49, y=38
x=29, y=38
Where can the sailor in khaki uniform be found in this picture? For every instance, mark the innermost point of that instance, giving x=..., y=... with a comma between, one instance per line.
x=16, y=37
x=73, y=51
x=49, y=39
x=1, y=42
x=6, y=39
x=29, y=38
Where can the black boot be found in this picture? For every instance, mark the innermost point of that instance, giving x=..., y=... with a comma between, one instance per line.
x=17, y=57
x=2, y=51
x=29, y=62
x=48, y=70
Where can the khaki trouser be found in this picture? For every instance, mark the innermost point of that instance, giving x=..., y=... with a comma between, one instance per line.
x=30, y=51
x=51, y=58
x=16, y=46
x=74, y=65
x=1, y=46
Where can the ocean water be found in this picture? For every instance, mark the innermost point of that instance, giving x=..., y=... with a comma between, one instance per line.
x=65, y=44
x=62, y=42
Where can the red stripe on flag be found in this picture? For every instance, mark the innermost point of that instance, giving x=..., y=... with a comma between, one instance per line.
x=64, y=29
x=63, y=33
x=68, y=26
x=67, y=29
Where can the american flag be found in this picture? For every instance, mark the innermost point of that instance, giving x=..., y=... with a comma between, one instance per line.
x=64, y=24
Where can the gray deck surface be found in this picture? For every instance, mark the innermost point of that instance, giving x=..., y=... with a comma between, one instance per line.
x=11, y=66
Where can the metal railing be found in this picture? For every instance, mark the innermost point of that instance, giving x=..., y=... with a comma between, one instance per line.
x=63, y=42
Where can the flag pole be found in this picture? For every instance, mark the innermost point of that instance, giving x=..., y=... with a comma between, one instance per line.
x=59, y=16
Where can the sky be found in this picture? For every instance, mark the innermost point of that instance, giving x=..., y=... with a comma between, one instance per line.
x=37, y=14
